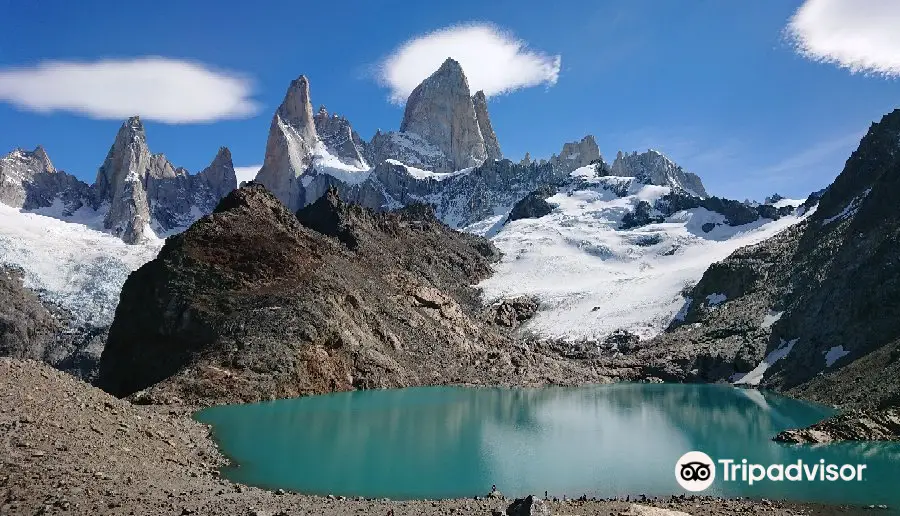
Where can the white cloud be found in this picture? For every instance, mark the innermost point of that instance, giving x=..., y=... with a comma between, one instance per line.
x=861, y=36
x=246, y=173
x=156, y=88
x=493, y=60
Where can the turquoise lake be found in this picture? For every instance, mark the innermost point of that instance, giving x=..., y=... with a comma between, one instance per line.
x=450, y=442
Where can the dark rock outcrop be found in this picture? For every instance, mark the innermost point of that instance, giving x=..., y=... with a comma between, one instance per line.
x=528, y=506
x=533, y=205
x=640, y=216
x=514, y=311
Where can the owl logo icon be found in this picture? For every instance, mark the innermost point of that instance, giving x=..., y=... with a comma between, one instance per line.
x=695, y=471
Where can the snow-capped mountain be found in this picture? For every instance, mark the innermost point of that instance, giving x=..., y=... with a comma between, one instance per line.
x=641, y=220
x=653, y=168
x=446, y=154
x=71, y=241
x=137, y=195
x=594, y=274
x=145, y=196
x=612, y=248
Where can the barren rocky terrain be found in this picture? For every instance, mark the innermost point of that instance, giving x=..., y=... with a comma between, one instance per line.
x=69, y=448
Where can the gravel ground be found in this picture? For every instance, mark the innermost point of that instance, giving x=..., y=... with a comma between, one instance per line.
x=69, y=448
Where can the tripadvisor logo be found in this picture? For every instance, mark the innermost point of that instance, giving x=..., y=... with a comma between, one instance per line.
x=695, y=471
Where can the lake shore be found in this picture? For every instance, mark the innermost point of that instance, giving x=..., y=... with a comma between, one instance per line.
x=70, y=448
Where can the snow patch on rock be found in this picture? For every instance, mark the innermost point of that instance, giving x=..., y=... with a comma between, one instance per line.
x=834, y=354
x=755, y=376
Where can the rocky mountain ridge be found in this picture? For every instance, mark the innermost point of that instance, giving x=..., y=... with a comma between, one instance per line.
x=653, y=168
x=814, y=310
x=255, y=302
x=139, y=194
x=446, y=154
x=28, y=180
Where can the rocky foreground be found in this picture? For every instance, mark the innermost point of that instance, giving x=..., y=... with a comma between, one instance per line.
x=70, y=448
x=857, y=425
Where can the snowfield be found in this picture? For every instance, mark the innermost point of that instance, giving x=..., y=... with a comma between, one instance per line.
x=592, y=278
x=71, y=263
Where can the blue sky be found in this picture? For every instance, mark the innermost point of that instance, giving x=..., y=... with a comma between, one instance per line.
x=715, y=85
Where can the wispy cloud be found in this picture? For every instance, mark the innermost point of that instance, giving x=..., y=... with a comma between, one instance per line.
x=493, y=60
x=247, y=173
x=157, y=88
x=830, y=154
x=861, y=36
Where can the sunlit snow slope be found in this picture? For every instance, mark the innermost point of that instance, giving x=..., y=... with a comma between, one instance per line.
x=71, y=263
x=592, y=278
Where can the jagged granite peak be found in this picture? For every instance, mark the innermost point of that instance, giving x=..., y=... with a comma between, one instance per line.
x=289, y=148
x=296, y=109
x=120, y=181
x=578, y=154
x=340, y=139
x=441, y=111
x=652, y=167
x=17, y=170
x=28, y=180
x=178, y=199
x=219, y=177
x=491, y=144
x=145, y=193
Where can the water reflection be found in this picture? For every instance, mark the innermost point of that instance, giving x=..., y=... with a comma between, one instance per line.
x=600, y=440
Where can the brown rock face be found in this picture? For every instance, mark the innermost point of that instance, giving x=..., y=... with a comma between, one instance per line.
x=27, y=329
x=250, y=304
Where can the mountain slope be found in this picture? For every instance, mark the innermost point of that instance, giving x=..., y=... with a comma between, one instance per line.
x=250, y=304
x=822, y=300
